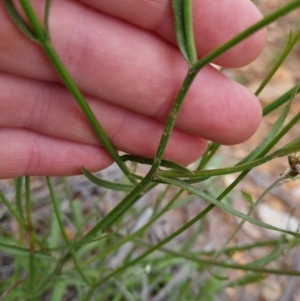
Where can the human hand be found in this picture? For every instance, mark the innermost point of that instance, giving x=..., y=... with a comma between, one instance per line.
x=124, y=58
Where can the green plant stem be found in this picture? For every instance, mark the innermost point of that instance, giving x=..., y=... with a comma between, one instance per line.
x=149, y=251
x=208, y=262
x=62, y=229
x=132, y=197
x=164, y=163
x=142, y=229
x=240, y=225
x=14, y=212
x=266, y=110
x=70, y=84
x=245, y=34
x=280, y=100
x=290, y=45
x=200, y=176
x=208, y=155
x=18, y=187
x=31, y=238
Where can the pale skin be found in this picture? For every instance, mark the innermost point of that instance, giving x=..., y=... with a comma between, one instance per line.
x=124, y=58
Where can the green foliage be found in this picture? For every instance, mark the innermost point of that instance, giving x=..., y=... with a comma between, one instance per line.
x=81, y=261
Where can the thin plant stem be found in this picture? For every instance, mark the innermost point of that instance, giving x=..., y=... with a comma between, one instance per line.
x=70, y=84
x=200, y=176
x=207, y=156
x=18, y=186
x=142, y=229
x=12, y=210
x=289, y=47
x=248, y=32
x=62, y=229
x=32, y=267
x=240, y=225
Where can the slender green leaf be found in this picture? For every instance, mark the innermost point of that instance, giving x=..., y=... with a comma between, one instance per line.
x=59, y=290
x=209, y=153
x=46, y=17
x=183, y=202
x=281, y=100
x=32, y=261
x=282, y=133
x=164, y=163
x=62, y=229
x=186, y=255
x=179, y=25
x=225, y=207
x=208, y=262
x=245, y=280
x=272, y=133
x=22, y=251
x=246, y=33
x=248, y=198
x=54, y=233
x=292, y=146
x=202, y=175
x=189, y=31
x=106, y=184
x=18, y=186
x=209, y=289
x=27, y=31
x=11, y=209
x=184, y=29
x=288, y=48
